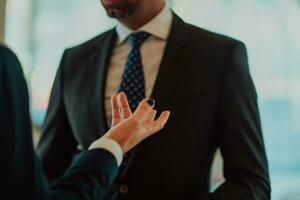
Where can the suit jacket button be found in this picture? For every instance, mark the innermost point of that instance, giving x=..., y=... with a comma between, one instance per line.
x=123, y=189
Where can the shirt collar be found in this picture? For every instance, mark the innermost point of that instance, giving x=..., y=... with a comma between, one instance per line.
x=159, y=26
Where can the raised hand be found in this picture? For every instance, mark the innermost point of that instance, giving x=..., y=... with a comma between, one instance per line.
x=128, y=129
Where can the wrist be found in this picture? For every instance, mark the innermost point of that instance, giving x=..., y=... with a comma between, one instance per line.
x=123, y=134
x=114, y=136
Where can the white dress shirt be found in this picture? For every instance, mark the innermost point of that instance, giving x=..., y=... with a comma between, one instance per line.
x=151, y=51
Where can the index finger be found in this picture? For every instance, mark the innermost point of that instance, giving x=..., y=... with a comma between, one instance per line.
x=116, y=113
x=123, y=103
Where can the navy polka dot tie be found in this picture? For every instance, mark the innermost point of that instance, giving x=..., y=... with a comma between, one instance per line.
x=133, y=81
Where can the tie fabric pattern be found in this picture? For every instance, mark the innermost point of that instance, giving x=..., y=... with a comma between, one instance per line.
x=133, y=81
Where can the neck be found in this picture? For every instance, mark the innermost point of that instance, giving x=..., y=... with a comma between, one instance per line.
x=142, y=17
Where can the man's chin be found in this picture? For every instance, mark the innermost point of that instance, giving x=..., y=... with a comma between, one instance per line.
x=118, y=13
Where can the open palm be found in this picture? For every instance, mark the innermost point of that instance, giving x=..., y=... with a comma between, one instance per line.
x=129, y=129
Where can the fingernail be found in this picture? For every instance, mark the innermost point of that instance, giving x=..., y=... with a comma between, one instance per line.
x=151, y=102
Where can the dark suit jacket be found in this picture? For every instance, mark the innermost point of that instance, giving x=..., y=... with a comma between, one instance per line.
x=204, y=81
x=21, y=175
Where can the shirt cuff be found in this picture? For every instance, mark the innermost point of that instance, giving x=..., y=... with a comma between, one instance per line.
x=109, y=145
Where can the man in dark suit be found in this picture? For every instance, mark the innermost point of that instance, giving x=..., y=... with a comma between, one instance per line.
x=202, y=77
x=91, y=175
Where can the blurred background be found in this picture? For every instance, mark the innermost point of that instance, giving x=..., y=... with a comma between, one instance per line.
x=39, y=30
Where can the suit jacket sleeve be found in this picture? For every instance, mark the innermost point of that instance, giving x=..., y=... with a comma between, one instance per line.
x=88, y=178
x=239, y=134
x=57, y=144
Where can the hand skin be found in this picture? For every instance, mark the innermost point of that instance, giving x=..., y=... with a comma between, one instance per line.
x=128, y=129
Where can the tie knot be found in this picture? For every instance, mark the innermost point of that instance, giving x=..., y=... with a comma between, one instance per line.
x=137, y=39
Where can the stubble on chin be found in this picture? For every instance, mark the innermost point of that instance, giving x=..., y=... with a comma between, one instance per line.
x=120, y=10
x=119, y=14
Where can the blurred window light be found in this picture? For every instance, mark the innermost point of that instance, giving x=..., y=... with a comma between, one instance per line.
x=39, y=31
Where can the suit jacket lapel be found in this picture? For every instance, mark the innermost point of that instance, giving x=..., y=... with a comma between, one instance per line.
x=100, y=64
x=173, y=62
